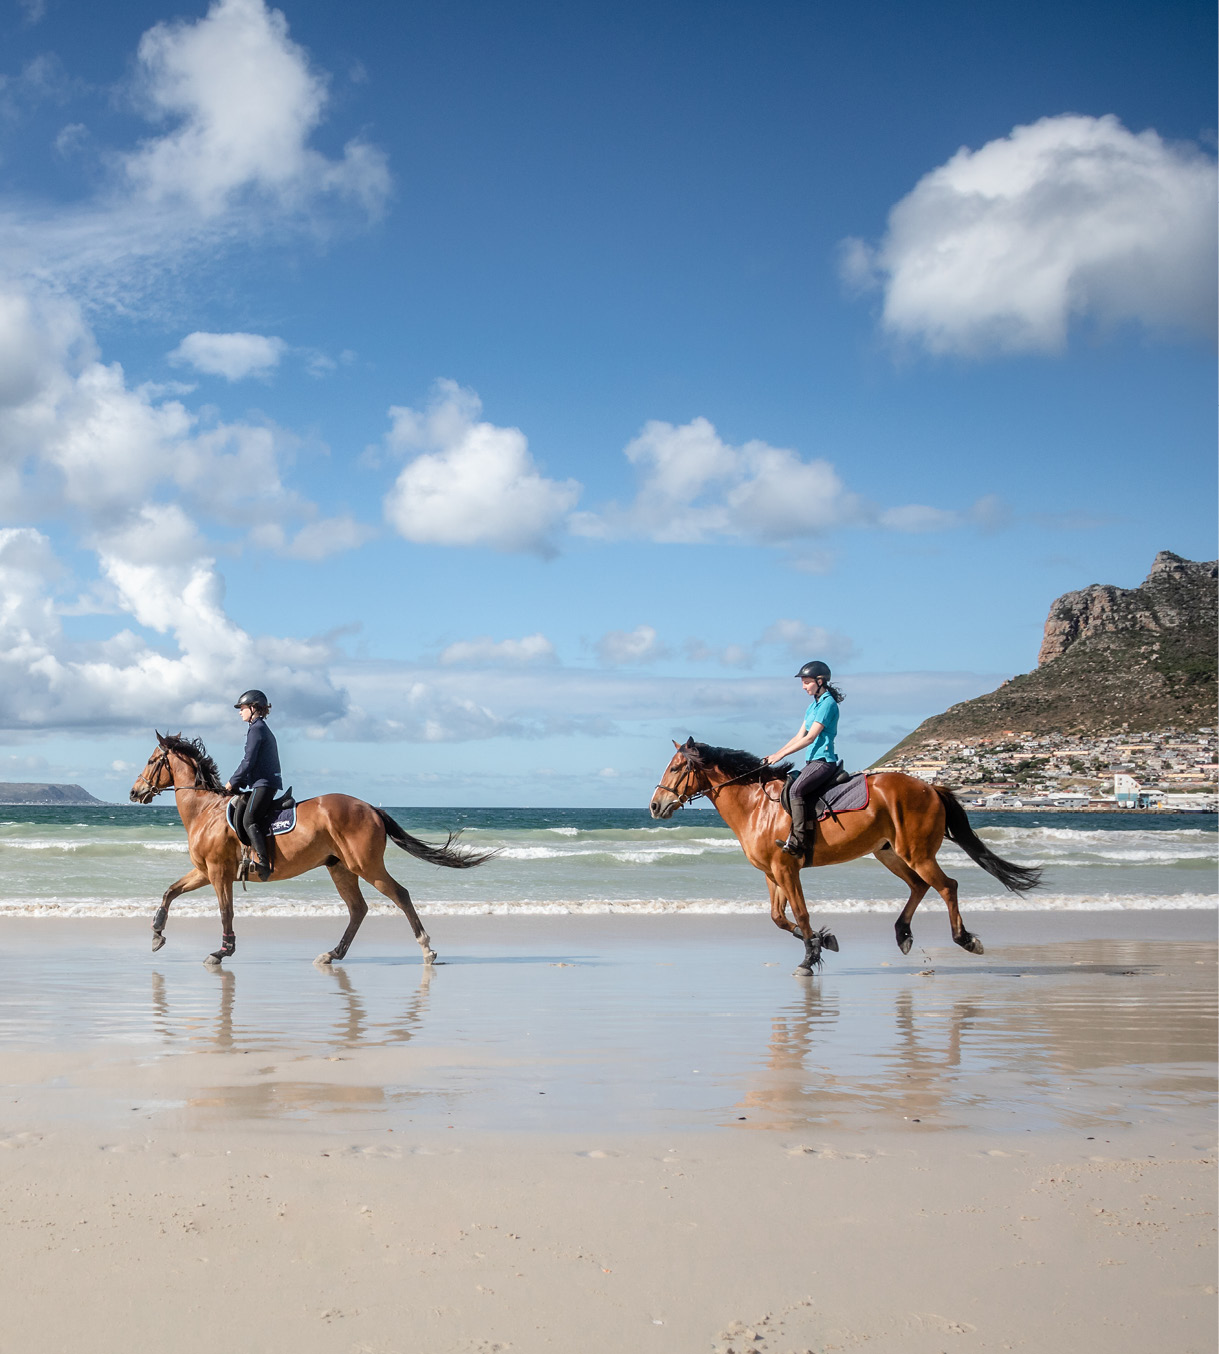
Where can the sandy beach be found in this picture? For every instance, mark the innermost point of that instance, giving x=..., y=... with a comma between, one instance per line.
x=611, y=1133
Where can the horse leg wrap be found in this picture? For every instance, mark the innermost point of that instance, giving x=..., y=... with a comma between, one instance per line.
x=160, y=917
x=228, y=944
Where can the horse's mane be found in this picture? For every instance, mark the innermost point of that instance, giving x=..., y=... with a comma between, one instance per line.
x=207, y=777
x=734, y=762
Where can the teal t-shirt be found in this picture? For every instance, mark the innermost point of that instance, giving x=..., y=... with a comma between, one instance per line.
x=823, y=711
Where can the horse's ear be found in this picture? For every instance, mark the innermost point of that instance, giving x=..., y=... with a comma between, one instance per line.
x=676, y=744
x=160, y=739
x=690, y=741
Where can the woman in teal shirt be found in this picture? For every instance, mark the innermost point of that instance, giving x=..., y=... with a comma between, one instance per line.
x=821, y=764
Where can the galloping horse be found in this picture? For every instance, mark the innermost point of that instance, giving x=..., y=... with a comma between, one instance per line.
x=345, y=835
x=903, y=826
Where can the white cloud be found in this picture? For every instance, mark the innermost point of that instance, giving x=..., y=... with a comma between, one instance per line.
x=233, y=356
x=1001, y=248
x=489, y=653
x=75, y=436
x=472, y=483
x=804, y=642
x=694, y=487
x=617, y=648
x=159, y=577
x=242, y=103
x=246, y=102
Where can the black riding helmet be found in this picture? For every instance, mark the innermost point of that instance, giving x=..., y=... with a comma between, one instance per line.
x=252, y=697
x=814, y=669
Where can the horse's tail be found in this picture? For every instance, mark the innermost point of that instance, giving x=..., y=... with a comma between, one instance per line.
x=1018, y=878
x=434, y=855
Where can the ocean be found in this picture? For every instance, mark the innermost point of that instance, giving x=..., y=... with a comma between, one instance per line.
x=116, y=861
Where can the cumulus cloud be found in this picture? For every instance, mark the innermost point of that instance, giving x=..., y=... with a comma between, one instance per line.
x=1000, y=249
x=616, y=648
x=486, y=652
x=238, y=102
x=471, y=482
x=694, y=487
x=233, y=356
x=246, y=102
x=162, y=580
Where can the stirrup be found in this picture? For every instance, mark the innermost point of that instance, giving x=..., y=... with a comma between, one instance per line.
x=792, y=847
x=263, y=871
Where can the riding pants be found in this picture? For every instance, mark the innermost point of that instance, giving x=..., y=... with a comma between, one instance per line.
x=816, y=777
x=254, y=820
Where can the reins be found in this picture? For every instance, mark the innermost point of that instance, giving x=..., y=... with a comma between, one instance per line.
x=710, y=791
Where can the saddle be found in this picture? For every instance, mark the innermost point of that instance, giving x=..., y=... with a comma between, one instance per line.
x=280, y=819
x=833, y=794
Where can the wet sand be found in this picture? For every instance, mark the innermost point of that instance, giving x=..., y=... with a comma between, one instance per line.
x=608, y=1134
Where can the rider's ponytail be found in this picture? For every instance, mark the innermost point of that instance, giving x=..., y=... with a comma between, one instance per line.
x=834, y=691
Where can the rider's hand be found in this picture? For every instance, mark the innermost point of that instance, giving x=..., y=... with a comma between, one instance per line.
x=228, y=787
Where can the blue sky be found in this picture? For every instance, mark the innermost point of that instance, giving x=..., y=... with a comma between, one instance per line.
x=511, y=388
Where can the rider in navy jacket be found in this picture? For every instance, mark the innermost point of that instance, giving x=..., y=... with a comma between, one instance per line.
x=259, y=770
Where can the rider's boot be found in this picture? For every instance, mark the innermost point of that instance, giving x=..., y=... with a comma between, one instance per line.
x=258, y=840
x=795, y=843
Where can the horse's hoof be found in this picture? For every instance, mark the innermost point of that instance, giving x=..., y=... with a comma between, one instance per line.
x=213, y=960
x=158, y=942
x=829, y=941
x=429, y=957
x=804, y=971
x=971, y=943
x=325, y=960
x=904, y=944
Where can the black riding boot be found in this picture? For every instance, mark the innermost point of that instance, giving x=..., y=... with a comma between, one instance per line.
x=258, y=840
x=795, y=844
x=255, y=817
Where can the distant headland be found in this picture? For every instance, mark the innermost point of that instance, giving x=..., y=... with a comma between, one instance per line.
x=28, y=792
x=1125, y=687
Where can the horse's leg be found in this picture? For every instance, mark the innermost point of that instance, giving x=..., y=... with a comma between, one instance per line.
x=381, y=880
x=930, y=870
x=889, y=858
x=348, y=886
x=787, y=879
x=195, y=879
x=222, y=882
x=778, y=907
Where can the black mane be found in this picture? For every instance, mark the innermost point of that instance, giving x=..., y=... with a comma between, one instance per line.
x=735, y=763
x=207, y=777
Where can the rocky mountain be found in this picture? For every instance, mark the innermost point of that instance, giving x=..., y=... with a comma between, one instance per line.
x=24, y=792
x=1111, y=659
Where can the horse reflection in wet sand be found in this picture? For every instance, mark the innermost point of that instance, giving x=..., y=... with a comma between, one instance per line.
x=344, y=834
x=903, y=826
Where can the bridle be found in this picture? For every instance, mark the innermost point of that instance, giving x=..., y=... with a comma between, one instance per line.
x=154, y=790
x=711, y=791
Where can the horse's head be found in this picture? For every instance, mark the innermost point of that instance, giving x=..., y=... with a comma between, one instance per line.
x=156, y=776
x=683, y=778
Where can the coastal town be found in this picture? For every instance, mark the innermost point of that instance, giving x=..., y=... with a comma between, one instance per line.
x=1164, y=771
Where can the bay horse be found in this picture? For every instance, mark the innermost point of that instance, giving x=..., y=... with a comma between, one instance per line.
x=903, y=826
x=344, y=834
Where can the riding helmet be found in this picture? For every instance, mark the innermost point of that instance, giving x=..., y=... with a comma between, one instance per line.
x=814, y=669
x=252, y=697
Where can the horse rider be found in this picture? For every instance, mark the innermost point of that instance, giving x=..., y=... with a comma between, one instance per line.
x=821, y=765
x=259, y=772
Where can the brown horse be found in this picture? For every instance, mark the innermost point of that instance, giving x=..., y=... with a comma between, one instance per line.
x=903, y=826
x=345, y=835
